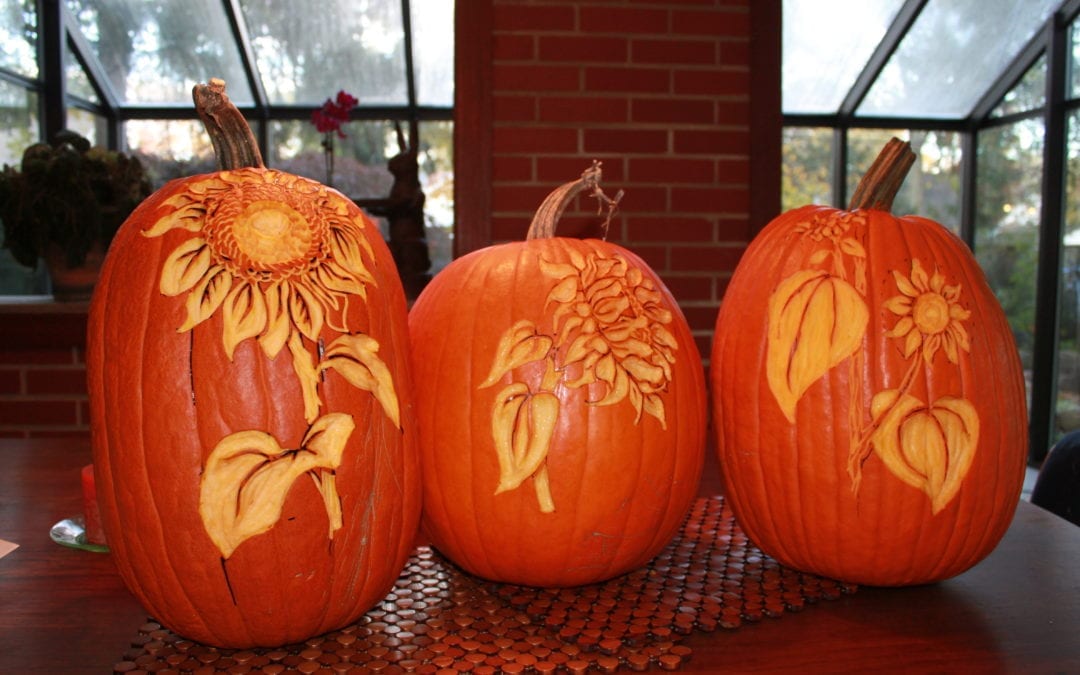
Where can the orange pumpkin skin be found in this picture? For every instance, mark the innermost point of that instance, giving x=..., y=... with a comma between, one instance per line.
x=619, y=481
x=187, y=439
x=868, y=398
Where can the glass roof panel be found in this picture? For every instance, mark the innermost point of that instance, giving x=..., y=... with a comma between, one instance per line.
x=306, y=53
x=155, y=52
x=433, y=47
x=76, y=81
x=952, y=54
x=825, y=47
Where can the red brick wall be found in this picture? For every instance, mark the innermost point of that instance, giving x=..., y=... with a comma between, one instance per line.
x=660, y=92
x=42, y=371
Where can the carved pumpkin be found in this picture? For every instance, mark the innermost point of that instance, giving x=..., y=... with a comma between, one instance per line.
x=563, y=408
x=252, y=423
x=868, y=397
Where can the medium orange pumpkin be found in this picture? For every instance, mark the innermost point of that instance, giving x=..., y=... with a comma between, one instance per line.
x=250, y=398
x=562, y=407
x=868, y=397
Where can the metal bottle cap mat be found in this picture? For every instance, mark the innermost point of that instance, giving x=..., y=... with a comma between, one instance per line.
x=438, y=619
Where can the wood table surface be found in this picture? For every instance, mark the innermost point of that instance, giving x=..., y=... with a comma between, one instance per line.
x=65, y=611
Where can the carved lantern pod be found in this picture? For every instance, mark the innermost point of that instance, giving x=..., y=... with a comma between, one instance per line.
x=868, y=397
x=250, y=398
x=562, y=407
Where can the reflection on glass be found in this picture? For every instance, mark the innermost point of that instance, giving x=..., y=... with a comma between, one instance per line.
x=307, y=52
x=806, y=176
x=436, y=161
x=359, y=159
x=18, y=37
x=433, y=50
x=155, y=52
x=1067, y=404
x=1008, y=203
x=170, y=148
x=932, y=187
x=1028, y=94
x=826, y=45
x=952, y=51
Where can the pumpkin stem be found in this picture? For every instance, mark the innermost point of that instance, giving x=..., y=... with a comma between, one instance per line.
x=882, y=181
x=235, y=146
x=551, y=210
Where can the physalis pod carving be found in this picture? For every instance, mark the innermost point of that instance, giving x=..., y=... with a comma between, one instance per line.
x=609, y=333
x=281, y=257
x=817, y=320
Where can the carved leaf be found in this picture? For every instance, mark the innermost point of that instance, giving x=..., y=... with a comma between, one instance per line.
x=930, y=448
x=815, y=322
x=519, y=345
x=248, y=475
x=356, y=358
x=522, y=426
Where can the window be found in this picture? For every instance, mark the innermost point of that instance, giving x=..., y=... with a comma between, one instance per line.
x=128, y=66
x=970, y=84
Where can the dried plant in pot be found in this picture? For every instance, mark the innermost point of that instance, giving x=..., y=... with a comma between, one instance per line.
x=64, y=203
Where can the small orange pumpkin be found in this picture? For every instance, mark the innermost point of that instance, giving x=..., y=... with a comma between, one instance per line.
x=250, y=399
x=562, y=407
x=868, y=397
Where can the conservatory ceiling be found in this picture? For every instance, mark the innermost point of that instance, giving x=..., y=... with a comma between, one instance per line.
x=270, y=52
x=902, y=58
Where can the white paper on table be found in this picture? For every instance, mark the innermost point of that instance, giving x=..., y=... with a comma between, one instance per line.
x=7, y=547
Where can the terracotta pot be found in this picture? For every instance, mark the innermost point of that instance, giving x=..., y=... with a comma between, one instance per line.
x=73, y=284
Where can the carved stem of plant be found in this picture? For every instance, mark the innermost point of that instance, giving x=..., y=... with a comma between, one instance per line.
x=547, y=216
x=235, y=146
x=877, y=191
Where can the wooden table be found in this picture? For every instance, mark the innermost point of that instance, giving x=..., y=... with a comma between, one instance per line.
x=66, y=611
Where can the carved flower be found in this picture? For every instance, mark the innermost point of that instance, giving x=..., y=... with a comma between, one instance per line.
x=275, y=252
x=831, y=226
x=614, y=324
x=930, y=315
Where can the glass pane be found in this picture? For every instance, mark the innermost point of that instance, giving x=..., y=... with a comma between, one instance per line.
x=952, y=54
x=18, y=122
x=932, y=187
x=1008, y=203
x=170, y=148
x=18, y=37
x=155, y=52
x=807, y=167
x=1074, y=60
x=436, y=161
x=306, y=54
x=76, y=80
x=825, y=47
x=93, y=128
x=1067, y=407
x=359, y=159
x=1028, y=94
x=433, y=51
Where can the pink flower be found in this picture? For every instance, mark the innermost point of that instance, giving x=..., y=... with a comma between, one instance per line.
x=334, y=113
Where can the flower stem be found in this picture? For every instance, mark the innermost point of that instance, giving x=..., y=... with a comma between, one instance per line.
x=883, y=179
x=235, y=146
x=551, y=210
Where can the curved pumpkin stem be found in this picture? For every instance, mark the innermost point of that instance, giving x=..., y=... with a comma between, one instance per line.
x=883, y=179
x=234, y=145
x=551, y=210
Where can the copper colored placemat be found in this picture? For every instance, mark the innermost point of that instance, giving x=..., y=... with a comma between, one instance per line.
x=437, y=618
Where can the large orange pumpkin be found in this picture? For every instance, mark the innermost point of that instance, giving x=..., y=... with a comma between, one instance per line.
x=250, y=397
x=562, y=407
x=868, y=397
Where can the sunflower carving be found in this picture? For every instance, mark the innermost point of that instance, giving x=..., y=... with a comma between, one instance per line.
x=279, y=257
x=817, y=320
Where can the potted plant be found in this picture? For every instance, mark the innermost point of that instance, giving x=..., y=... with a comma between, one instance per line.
x=64, y=204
